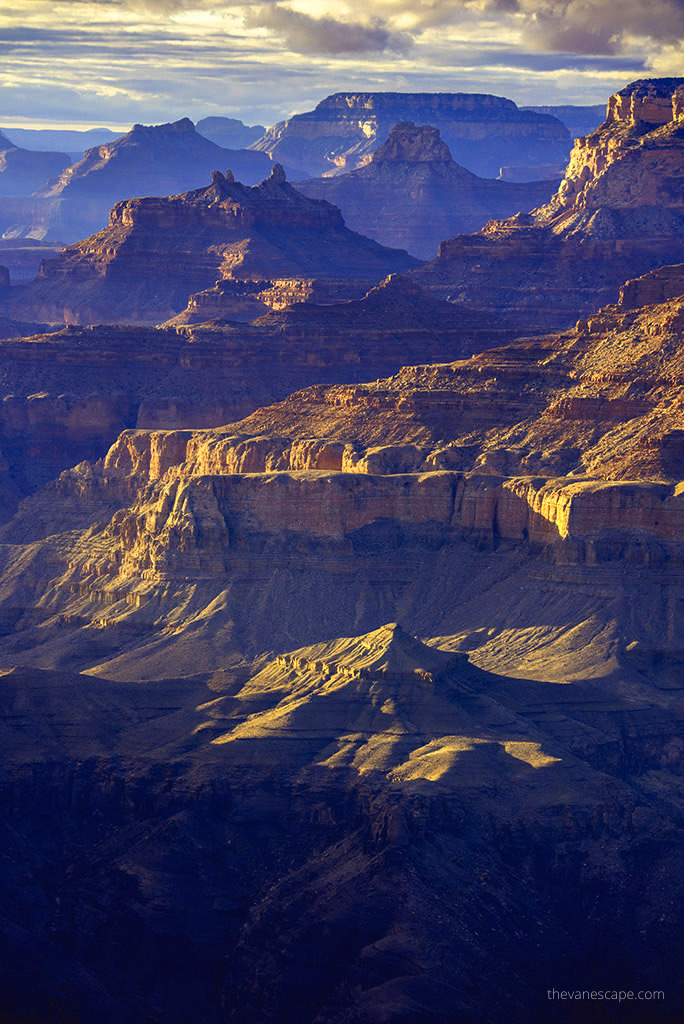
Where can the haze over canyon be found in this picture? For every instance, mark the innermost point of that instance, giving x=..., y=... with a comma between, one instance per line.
x=341, y=562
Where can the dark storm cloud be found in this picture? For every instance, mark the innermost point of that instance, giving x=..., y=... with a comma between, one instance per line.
x=304, y=34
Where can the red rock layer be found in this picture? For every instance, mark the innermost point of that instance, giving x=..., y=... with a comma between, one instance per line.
x=156, y=252
x=618, y=213
x=66, y=396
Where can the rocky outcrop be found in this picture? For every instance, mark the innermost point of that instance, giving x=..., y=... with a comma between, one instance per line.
x=201, y=512
x=396, y=318
x=483, y=132
x=412, y=195
x=157, y=160
x=655, y=287
x=66, y=396
x=618, y=213
x=602, y=399
x=22, y=171
x=235, y=299
x=156, y=252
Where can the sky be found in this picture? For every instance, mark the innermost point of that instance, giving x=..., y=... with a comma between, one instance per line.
x=87, y=63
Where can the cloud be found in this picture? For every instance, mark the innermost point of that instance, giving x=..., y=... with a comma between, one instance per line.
x=597, y=26
x=561, y=26
x=125, y=61
x=304, y=34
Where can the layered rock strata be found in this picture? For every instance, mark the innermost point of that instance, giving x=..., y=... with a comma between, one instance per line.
x=156, y=252
x=66, y=396
x=155, y=160
x=561, y=453
x=411, y=195
x=618, y=213
x=483, y=132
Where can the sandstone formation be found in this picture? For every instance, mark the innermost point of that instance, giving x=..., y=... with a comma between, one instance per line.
x=156, y=252
x=601, y=400
x=412, y=195
x=229, y=132
x=22, y=171
x=618, y=213
x=566, y=448
x=66, y=396
x=319, y=709
x=367, y=706
x=483, y=132
x=157, y=160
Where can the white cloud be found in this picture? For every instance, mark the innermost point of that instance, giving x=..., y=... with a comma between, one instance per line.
x=121, y=61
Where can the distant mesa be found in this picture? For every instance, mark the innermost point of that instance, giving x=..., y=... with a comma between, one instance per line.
x=22, y=171
x=23, y=256
x=482, y=132
x=578, y=120
x=157, y=160
x=618, y=213
x=412, y=195
x=72, y=142
x=155, y=253
x=229, y=132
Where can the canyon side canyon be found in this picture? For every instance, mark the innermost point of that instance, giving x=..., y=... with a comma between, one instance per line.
x=342, y=661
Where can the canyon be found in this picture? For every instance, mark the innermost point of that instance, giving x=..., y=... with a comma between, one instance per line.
x=157, y=160
x=156, y=252
x=567, y=446
x=412, y=195
x=482, y=132
x=341, y=609
x=66, y=396
x=308, y=822
x=617, y=214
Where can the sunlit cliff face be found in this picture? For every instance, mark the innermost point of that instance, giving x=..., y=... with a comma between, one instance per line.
x=120, y=61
